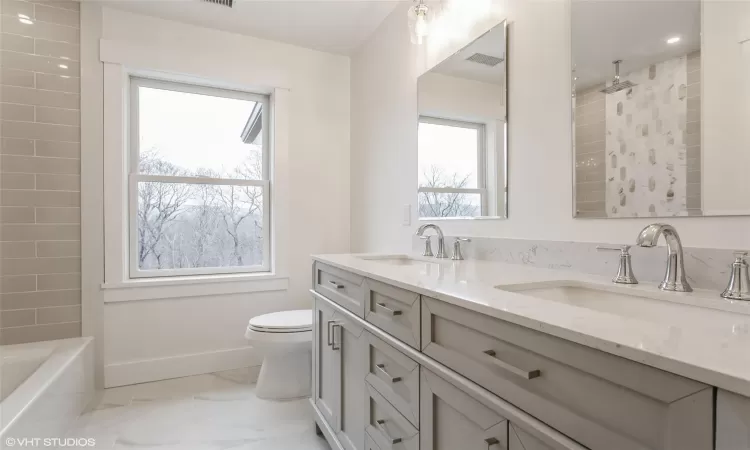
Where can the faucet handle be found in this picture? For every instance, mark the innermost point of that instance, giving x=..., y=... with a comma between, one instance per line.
x=623, y=249
x=457, y=255
x=427, y=246
x=739, y=283
x=625, y=273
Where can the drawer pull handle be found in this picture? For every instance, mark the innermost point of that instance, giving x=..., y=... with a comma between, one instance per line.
x=392, y=312
x=381, y=369
x=490, y=442
x=337, y=285
x=381, y=426
x=333, y=337
x=525, y=374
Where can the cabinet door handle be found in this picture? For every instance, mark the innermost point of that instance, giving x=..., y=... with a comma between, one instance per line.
x=329, y=341
x=490, y=442
x=525, y=374
x=381, y=426
x=392, y=312
x=381, y=369
x=336, y=285
x=333, y=336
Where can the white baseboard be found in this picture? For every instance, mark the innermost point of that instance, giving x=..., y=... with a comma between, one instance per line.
x=143, y=371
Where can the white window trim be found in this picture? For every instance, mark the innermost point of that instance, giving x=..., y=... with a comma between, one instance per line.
x=481, y=188
x=119, y=63
x=134, y=178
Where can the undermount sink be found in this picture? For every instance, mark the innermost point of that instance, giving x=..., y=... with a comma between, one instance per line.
x=636, y=304
x=400, y=260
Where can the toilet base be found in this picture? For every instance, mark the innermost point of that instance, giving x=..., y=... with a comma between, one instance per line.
x=285, y=376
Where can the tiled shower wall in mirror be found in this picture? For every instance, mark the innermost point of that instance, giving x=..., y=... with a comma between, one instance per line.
x=40, y=235
x=612, y=178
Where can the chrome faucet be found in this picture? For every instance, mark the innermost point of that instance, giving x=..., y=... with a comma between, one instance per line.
x=675, y=278
x=441, y=239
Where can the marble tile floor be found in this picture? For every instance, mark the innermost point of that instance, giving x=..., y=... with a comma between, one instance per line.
x=216, y=411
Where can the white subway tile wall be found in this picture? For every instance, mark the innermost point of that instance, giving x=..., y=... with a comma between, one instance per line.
x=40, y=184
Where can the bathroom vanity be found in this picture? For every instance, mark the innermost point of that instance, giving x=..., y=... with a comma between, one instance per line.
x=425, y=354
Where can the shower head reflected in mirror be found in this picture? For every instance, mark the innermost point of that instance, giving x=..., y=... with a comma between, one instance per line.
x=617, y=85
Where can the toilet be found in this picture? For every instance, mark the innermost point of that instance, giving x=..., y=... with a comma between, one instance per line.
x=284, y=339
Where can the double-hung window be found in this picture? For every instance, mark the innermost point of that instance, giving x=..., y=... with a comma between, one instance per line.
x=452, y=168
x=198, y=180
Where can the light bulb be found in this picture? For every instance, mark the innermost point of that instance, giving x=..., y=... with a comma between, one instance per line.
x=419, y=22
x=420, y=27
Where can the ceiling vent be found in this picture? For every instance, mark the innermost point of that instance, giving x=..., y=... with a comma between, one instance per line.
x=227, y=3
x=487, y=60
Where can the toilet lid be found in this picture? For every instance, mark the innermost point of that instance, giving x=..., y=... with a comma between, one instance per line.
x=283, y=322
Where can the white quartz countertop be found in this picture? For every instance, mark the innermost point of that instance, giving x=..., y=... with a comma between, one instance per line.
x=713, y=353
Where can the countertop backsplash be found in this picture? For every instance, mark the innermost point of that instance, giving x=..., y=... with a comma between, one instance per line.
x=706, y=268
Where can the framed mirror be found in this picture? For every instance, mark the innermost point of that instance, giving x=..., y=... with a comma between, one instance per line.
x=661, y=99
x=463, y=133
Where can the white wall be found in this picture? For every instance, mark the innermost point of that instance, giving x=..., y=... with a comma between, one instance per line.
x=725, y=107
x=384, y=103
x=164, y=337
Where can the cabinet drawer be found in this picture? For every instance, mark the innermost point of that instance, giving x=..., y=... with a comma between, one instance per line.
x=598, y=399
x=393, y=310
x=386, y=426
x=395, y=376
x=340, y=286
x=370, y=444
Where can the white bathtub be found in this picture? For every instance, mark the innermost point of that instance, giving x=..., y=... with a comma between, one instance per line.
x=44, y=386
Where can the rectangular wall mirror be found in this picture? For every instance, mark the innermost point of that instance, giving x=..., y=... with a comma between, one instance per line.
x=463, y=132
x=661, y=98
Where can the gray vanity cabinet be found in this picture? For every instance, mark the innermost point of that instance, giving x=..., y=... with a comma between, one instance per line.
x=340, y=374
x=409, y=372
x=453, y=419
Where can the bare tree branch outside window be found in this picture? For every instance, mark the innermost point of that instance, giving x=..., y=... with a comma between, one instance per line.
x=446, y=204
x=198, y=225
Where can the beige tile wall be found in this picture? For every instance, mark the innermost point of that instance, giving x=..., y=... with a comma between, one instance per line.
x=40, y=248
x=590, y=149
x=693, y=132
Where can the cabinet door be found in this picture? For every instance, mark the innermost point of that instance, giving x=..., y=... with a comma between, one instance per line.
x=732, y=421
x=350, y=344
x=452, y=419
x=326, y=363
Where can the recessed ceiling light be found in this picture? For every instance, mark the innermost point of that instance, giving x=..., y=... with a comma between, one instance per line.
x=23, y=16
x=673, y=40
x=62, y=66
x=24, y=20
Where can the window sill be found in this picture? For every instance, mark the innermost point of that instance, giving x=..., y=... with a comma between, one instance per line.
x=192, y=286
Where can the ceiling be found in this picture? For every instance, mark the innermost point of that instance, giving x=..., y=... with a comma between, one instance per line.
x=634, y=31
x=335, y=26
x=491, y=43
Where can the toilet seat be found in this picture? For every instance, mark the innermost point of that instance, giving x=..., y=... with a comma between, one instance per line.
x=299, y=321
